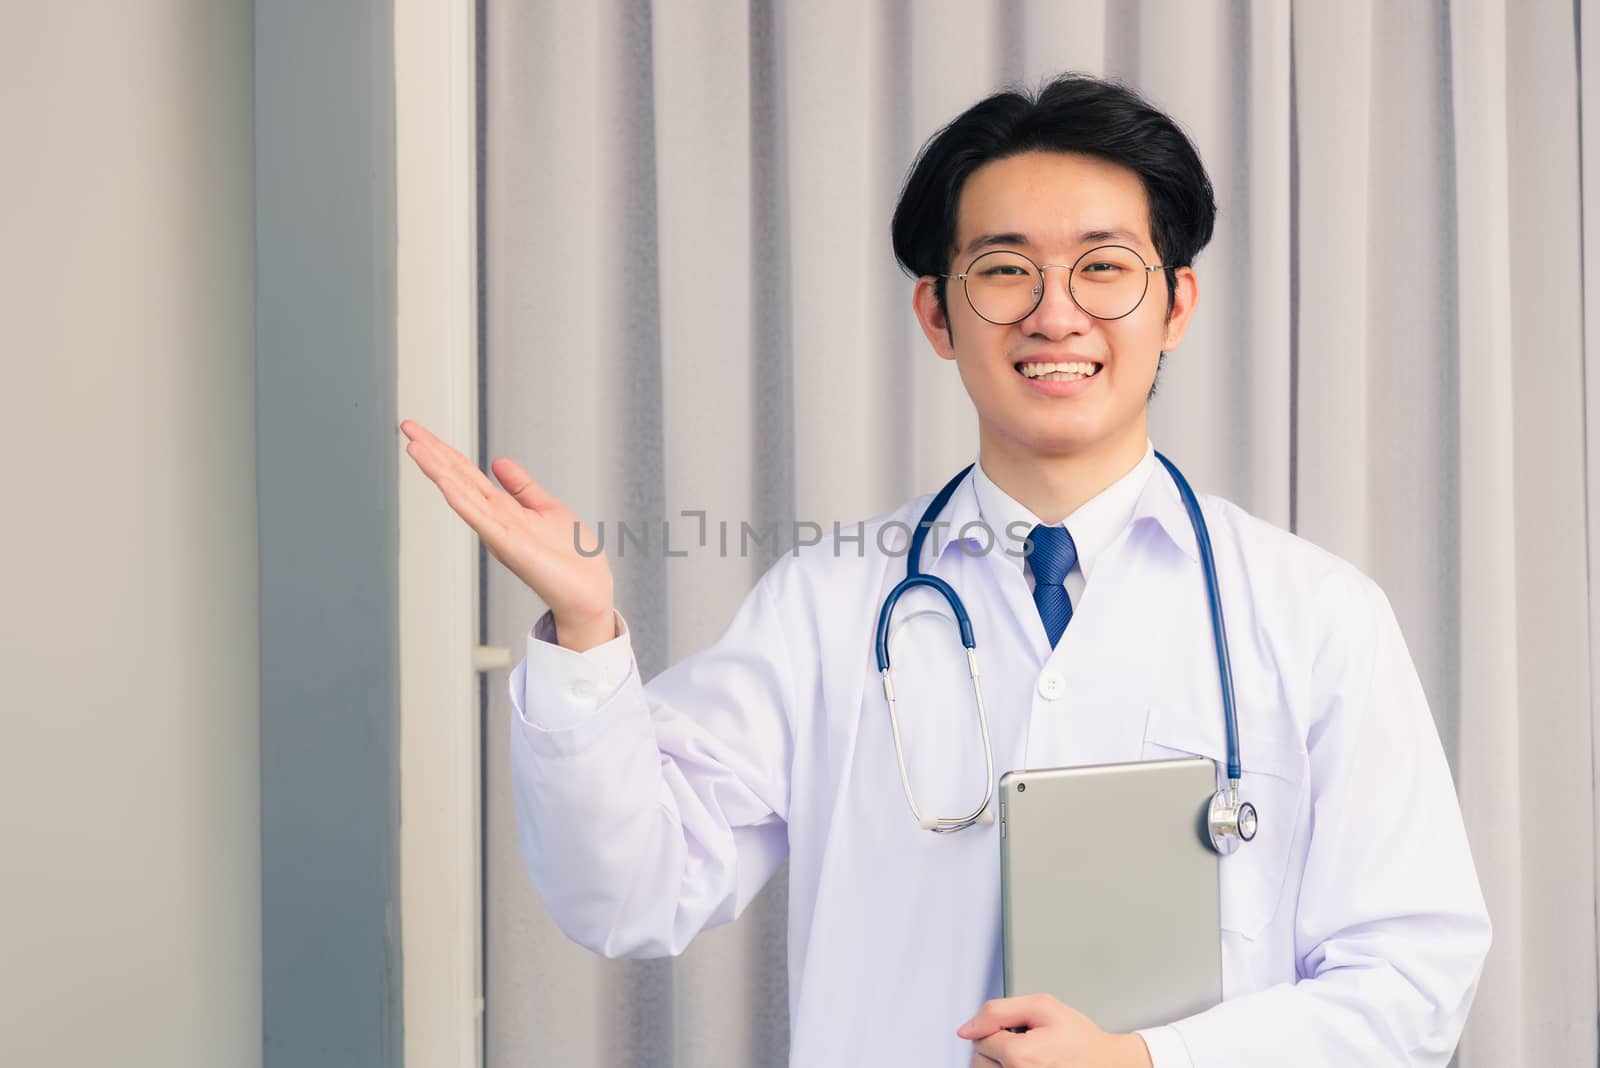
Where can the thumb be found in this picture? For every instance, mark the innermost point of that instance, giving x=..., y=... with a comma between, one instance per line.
x=521, y=485
x=1018, y=1013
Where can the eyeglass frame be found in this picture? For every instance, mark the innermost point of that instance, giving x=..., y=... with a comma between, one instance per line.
x=1041, y=268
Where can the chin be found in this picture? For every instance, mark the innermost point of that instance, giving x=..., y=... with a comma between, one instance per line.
x=1063, y=447
x=1062, y=432
x=1056, y=443
x=1057, y=440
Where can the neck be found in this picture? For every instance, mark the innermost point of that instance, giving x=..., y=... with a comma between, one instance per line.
x=1054, y=485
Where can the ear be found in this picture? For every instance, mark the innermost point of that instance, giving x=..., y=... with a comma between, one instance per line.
x=934, y=320
x=1184, y=299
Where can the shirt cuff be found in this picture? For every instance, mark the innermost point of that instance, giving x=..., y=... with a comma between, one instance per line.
x=561, y=688
x=1166, y=1048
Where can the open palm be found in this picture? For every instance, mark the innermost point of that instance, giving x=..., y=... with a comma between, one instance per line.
x=526, y=529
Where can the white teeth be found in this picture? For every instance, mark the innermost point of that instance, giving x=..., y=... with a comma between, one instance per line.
x=1051, y=370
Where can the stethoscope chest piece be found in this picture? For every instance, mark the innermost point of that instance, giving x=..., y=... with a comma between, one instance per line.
x=1230, y=821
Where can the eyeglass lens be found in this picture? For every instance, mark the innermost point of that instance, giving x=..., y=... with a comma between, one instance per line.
x=1107, y=282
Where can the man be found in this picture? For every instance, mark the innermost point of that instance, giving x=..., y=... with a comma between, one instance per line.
x=1053, y=239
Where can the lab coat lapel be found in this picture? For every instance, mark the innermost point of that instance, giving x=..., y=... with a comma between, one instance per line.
x=1011, y=640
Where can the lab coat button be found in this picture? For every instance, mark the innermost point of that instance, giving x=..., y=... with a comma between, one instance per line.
x=1052, y=685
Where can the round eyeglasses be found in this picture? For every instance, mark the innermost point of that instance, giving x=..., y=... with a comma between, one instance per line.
x=1107, y=282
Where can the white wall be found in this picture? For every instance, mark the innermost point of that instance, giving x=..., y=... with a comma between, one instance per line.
x=129, y=754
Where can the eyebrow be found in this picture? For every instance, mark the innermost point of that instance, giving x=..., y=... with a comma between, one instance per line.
x=1013, y=238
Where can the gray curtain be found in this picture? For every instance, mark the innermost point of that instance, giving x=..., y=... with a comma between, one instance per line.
x=691, y=304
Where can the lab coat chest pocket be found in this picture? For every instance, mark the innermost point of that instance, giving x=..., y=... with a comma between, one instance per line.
x=1253, y=876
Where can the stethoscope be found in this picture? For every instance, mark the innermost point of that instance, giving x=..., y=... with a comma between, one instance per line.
x=1230, y=820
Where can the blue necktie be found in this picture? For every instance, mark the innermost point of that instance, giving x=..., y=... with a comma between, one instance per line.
x=1053, y=555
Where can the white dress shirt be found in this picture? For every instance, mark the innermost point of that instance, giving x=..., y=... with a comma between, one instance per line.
x=1093, y=526
x=1353, y=928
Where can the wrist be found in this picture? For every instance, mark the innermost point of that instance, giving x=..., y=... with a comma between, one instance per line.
x=1132, y=1052
x=585, y=632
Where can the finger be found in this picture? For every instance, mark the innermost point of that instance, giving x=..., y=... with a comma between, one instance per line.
x=436, y=467
x=521, y=485
x=980, y=1061
x=999, y=1046
x=467, y=503
x=452, y=458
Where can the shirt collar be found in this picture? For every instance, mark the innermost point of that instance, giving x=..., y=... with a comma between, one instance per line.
x=1094, y=525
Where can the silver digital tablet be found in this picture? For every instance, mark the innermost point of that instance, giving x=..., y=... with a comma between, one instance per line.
x=1108, y=887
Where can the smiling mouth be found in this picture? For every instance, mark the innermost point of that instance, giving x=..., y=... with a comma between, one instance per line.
x=1058, y=372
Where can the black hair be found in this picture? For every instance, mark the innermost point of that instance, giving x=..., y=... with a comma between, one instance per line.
x=1071, y=113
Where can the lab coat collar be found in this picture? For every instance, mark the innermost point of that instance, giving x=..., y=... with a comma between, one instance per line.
x=960, y=513
x=1158, y=502
x=1161, y=503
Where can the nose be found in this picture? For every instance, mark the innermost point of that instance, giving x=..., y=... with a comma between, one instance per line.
x=1057, y=315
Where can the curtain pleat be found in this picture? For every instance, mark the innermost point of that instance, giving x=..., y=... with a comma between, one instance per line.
x=540, y=72
x=1588, y=32
x=1332, y=227
x=1490, y=726
x=1545, y=366
x=691, y=306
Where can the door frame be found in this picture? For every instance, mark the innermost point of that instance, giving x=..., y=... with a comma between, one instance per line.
x=436, y=344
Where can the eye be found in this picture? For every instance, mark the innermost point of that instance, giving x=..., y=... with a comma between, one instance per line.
x=1005, y=270
x=1103, y=268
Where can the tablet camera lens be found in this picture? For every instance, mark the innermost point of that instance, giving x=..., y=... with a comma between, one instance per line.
x=1021, y=786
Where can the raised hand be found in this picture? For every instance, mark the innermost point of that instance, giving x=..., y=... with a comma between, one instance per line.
x=527, y=530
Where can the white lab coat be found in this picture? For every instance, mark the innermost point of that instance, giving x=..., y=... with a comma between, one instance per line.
x=1353, y=927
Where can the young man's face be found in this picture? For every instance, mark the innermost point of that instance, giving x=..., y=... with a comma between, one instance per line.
x=1053, y=207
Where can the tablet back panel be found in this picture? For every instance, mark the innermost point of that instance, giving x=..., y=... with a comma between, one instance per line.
x=1108, y=887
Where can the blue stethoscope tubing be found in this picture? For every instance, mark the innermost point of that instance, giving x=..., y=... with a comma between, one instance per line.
x=1231, y=821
